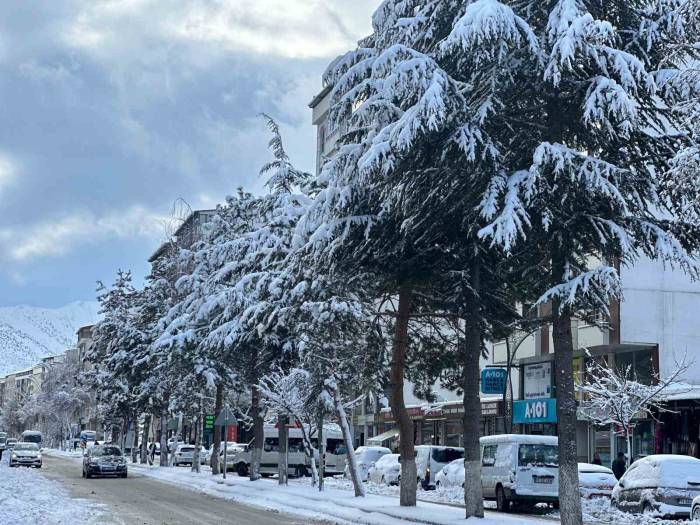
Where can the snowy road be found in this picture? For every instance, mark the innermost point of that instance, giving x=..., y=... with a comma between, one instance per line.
x=142, y=500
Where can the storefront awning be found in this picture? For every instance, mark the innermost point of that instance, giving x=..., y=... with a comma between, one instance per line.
x=385, y=436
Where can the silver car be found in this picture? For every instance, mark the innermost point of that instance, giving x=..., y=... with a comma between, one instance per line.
x=26, y=454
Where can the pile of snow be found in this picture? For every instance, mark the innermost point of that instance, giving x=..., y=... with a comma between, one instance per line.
x=29, y=333
x=600, y=512
x=28, y=497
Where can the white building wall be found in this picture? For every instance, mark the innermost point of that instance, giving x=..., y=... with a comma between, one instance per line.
x=662, y=306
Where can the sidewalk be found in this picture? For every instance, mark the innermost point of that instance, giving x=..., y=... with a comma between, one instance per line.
x=337, y=505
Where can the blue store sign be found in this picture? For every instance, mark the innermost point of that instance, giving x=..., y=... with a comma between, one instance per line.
x=535, y=411
x=493, y=380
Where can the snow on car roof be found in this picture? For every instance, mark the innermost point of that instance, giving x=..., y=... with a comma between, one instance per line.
x=663, y=470
x=520, y=438
x=590, y=467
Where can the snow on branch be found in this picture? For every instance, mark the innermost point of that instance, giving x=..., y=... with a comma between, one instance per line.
x=615, y=396
x=595, y=288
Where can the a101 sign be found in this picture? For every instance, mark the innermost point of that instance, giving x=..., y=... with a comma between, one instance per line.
x=535, y=411
x=493, y=380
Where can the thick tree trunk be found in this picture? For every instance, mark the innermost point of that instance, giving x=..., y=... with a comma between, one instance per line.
x=473, y=494
x=283, y=468
x=258, y=433
x=164, y=436
x=124, y=430
x=398, y=408
x=198, y=441
x=347, y=437
x=135, y=440
x=569, y=499
x=218, y=406
x=144, y=438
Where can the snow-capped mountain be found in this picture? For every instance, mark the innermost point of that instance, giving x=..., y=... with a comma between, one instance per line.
x=29, y=333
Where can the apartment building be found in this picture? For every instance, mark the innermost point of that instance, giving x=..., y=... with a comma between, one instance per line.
x=187, y=234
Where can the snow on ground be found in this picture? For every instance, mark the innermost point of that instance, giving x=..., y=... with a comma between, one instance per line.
x=28, y=497
x=335, y=504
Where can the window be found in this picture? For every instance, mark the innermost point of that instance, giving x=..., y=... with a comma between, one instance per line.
x=272, y=444
x=446, y=455
x=488, y=458
x=296, y=445
x=335, y=446
x=538, y=455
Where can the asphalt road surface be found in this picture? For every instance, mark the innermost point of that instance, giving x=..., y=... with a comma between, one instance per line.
x=145, y=501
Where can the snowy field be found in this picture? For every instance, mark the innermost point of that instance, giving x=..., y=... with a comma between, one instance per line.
x=27, y=497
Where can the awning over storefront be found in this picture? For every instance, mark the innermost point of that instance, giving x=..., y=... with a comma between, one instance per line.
x=385, y=436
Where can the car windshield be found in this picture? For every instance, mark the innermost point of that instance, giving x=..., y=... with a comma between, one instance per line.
x=539, y=455
x=32, y=438
x=26, y=446
x=446, y=455
x=106, y=451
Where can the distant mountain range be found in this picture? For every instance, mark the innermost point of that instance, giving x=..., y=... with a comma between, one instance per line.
x=29, y=333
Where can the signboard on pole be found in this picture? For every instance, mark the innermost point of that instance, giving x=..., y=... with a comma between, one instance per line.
x=537, y=381
x=535, y=411
x=209, y=422
x=226, y=418
x=493, y=380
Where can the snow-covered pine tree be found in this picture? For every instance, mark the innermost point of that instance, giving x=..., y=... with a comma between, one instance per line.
x=586, y=134
x=398, y=204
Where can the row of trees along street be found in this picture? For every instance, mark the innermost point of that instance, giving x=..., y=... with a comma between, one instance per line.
x=492, y=155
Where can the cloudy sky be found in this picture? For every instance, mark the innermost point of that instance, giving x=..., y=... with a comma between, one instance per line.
x=111, y=110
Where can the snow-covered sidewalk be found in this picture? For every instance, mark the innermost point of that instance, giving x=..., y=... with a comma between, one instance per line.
x=336, y=505
x=28, y=497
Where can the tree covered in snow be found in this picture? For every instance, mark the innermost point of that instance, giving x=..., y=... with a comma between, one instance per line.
x=615, y=396
x=572, y=98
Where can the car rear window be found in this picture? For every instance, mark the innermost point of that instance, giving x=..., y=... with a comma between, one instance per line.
x=447, y=455
x=186, y=449
x=538, y=455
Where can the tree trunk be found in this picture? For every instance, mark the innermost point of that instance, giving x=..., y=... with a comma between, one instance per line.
x=347, y=436
x=473, y=494
x=164, y=436
x=144, y=438
x=283, y=468
x=258, y=433
x=309, y=451
x=321, y=452
x=135, y=440
x=219, y=403
x=569, y=499
x=198, y=440
x=398, y=407
x=125, y=431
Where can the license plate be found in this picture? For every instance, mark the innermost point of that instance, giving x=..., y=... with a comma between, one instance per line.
x=685, y=501
x=546, y=480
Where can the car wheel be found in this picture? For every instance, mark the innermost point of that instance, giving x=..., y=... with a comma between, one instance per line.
x=696, y=512
x=87, y=474
x=300, y=471
x=383, y=480
x=437, y=485
x=242, y=470
x=83, y=472
x=502, y=503
x=124, y=475
x=647, y=509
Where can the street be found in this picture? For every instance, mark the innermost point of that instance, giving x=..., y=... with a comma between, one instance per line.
x=142, y=500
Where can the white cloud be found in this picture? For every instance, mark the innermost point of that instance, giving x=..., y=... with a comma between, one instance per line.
x=281, y=28
x=59, y=237
x=8, y=171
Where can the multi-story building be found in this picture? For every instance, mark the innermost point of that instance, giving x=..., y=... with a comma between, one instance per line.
x=187, y=234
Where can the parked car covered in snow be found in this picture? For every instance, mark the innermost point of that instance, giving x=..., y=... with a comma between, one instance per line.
x=521, y=469
x=11, y=442
x=451, y=475
x=663, y=485
x=595, y=481
x=387, y=470
x=366, y=457
x=431, y=458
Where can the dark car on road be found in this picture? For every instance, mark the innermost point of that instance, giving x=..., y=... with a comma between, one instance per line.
x=104, y=460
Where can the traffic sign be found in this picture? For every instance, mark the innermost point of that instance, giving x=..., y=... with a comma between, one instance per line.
x=226, y=417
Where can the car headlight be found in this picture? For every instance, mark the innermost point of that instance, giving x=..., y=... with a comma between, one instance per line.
x=38, y=456
x=14, y=456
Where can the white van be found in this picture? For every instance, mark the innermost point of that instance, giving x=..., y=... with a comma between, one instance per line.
x=33, y=436
x=299, y=465
x=520, y=469
x=431, y=458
